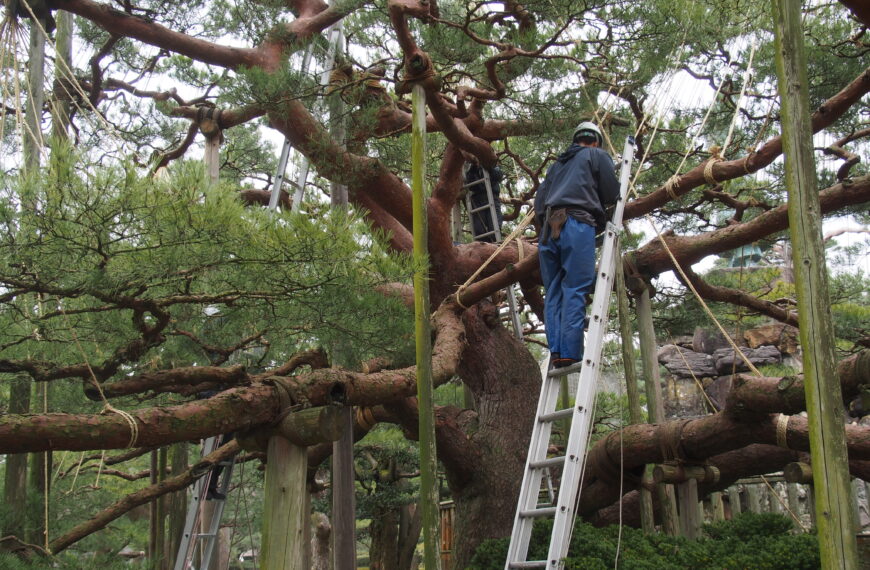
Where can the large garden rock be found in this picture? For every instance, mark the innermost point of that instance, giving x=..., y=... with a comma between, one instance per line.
x=690, y=362
x=782, y=336
x=727, y=361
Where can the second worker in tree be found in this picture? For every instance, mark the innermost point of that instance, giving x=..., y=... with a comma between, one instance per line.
x=570, y=207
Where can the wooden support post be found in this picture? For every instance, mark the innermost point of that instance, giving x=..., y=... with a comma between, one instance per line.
x=343, y=507
x=33, y=139
x=60, y=111
x=285, y=513
x=717, y=506
x=734, y=501
x=629, y=358
x=422, y=310
x=646, y=333
x=690, y=519
x=774, y=499
x=752, y=492
x=836, y=530
x=212, y=158
x=793, y=500
x=177, y=504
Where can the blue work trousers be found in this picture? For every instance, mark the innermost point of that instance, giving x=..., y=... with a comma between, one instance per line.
x=568, y=271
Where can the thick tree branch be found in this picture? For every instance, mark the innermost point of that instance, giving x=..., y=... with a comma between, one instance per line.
x=143, y=496
x=825, y=115
x=740, y=298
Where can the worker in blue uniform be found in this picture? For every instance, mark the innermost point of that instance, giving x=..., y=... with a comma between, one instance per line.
x=570, y=207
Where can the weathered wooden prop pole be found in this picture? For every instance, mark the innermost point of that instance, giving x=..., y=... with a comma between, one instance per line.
x=687, y=477
x=423, y=332
x=286, y=515
x=836, y=531
x=635, y=414
x=655, y=405
x=208, y=120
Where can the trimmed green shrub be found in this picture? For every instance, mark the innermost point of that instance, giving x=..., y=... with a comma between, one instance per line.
x=757, y=541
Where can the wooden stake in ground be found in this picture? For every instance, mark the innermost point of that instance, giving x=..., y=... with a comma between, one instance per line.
x=655, y=405
x=423, y=332
x=824, y=401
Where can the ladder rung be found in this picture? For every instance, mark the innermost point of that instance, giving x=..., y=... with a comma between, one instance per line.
x=480, y=208
x=475, y=183
x=555, y=372
x=538, y=513
x=552, y=462
x=557, y=415
x=529, y=564
x=484, y=235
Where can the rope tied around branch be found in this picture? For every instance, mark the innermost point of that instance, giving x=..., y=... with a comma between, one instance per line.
x=782, y=431
x=669, y=442
x=708, y=168
x=513, y=235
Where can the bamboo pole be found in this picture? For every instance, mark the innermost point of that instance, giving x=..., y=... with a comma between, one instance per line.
x=428, y=458
x=836, y=530
x=646, y=333
x=635, y=414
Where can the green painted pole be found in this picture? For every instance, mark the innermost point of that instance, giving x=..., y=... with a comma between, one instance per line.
x=836, y=532
x=422, y=328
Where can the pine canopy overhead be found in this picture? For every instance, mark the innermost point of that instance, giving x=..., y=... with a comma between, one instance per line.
x=157, y=286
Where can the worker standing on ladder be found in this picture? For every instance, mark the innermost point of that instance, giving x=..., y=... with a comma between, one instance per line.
x=570, y=207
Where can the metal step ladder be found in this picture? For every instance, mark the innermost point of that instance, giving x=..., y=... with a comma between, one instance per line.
x=490, y=209
x=572, y=464
x=206, y=540
x=336, y=41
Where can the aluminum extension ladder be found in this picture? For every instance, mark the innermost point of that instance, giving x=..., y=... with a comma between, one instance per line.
x=490, y=209
x=190, y=539
x=336, y=40
x=563, y=509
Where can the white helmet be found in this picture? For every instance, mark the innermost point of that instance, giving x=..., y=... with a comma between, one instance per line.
x=587, y=128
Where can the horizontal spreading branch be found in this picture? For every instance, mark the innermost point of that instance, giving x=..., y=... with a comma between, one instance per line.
x=236, y=409
x=143, y=496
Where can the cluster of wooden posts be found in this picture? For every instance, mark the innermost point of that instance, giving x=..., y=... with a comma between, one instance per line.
x=789, y=493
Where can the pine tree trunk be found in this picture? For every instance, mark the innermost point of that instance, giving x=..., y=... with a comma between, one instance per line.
x=504, y=378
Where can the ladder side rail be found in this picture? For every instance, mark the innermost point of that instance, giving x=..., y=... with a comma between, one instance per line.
x=211, y=536
x=278, y=182
x=188, y=540
x=530, y=486
x=569, y=491
x=581, y=424
x=491, y=199
x=335, y=36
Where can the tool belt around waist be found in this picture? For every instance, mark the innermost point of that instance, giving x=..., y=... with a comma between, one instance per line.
x=556, y=218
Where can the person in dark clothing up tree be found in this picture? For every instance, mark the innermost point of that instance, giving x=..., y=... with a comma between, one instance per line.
x=481, y=222
x=570, y=207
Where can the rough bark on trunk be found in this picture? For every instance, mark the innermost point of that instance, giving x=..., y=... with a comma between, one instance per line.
x=504, y=379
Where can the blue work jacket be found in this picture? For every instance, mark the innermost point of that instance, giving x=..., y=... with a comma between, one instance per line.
x=583, y=177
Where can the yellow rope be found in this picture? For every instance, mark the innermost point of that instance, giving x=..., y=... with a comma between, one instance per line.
x=107, y=407
x=782, y=431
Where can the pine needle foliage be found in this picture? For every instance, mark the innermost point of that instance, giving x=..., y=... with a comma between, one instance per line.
x=137, y=273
